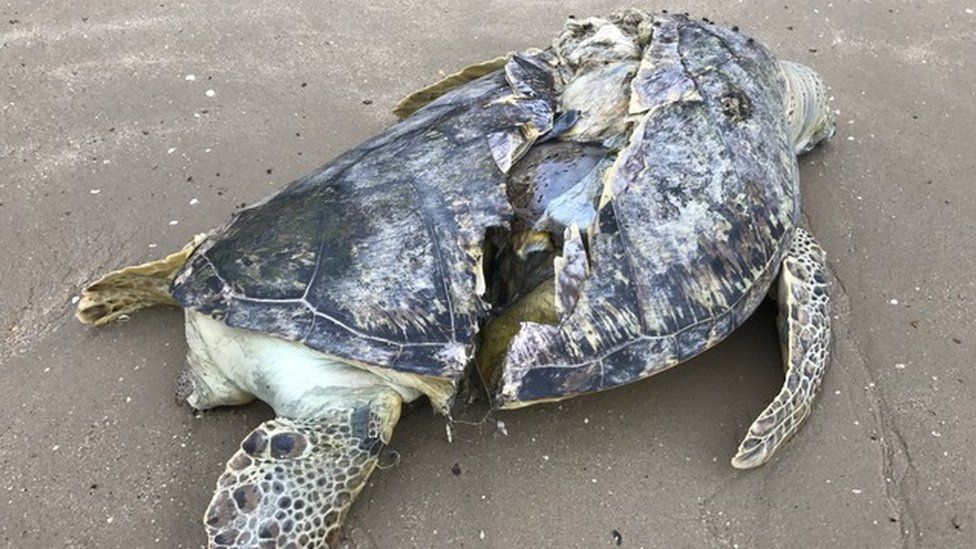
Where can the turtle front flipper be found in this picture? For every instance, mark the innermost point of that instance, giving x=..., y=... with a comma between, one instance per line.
x=293, y=480
x=132, y=288
x=804, y=326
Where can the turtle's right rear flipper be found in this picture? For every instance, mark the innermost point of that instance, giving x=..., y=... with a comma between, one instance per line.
x=132, y=288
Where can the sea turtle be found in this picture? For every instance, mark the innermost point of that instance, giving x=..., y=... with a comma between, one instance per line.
x=570, y=219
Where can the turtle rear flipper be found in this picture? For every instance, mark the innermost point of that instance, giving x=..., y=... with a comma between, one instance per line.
x=132, y=288
x=293, y=480
x=804, y=326
x=416, y=100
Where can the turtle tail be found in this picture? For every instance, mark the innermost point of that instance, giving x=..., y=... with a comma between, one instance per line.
x=811, y=120
x=132, y=288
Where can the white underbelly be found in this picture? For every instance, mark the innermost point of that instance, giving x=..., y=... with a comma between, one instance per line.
x=232, y=365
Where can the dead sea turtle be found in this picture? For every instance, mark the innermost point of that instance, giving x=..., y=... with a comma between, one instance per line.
x=582, y=216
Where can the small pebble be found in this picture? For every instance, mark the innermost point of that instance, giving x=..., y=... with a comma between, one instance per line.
x=194, y=201
x=190, y=78
x=173, y=222
x=900, y=366
x=855, y=491
x=95, y=191
x=210, y=93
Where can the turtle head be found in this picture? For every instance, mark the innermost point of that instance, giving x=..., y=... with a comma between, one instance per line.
x=810, y=118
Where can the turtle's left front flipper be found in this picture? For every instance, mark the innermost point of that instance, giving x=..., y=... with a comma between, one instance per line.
x=293, y=480
x=804, y=327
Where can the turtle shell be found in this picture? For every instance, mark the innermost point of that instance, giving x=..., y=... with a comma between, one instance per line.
x=698, y=208
x=375, y=257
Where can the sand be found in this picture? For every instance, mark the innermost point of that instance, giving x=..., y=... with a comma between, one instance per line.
x=126, y=127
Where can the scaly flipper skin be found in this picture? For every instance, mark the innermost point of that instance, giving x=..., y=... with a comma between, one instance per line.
x=132, y=288
x=293, y=480
x=804, y=327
